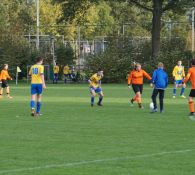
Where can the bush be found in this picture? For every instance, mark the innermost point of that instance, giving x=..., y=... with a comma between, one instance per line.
x=117, y=59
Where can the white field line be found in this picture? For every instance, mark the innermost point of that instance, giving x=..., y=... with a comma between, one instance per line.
x=94, y=161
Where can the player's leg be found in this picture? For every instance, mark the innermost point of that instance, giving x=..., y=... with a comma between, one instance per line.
x=1, y=92
x=8, y=92
x=3, y=85
x=174, y=89
x=7, y=88
x=161, y=97
x=154, y=95
x=191, y=102
x=33, y=99
x=182, y=90
x=65, y=79
x=56, y=78
x=139, y=99
x=39, y=97
x=135, y=89
x=38, y=109
x=93, y=94
x=53, y=78
x=101, y=95
x=32, y=104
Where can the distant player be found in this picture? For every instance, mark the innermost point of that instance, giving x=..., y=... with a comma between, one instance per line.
x=160, y=82
x=178, y=75
x=4, y=77
x=136, y=80
x=66, y=71
x=95, y=87
x=191, y=76
x=56, y=70
x=37, y=84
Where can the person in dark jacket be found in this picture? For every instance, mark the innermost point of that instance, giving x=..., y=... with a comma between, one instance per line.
x=159, y=82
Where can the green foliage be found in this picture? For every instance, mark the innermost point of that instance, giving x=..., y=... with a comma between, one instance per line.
x=116, y=60
x=65, y=54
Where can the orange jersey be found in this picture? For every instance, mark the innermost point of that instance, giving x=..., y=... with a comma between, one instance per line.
x=4, y=75
x=191, y=76
x=136, y=77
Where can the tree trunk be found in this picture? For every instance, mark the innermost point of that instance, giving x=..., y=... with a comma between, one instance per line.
x=156, y=28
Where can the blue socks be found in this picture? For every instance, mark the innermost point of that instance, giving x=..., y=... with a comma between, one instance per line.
x=182, y=91
x=100, y=99
x=38, y=107
x=174, y=91
x=92, y=99
x=32, y=104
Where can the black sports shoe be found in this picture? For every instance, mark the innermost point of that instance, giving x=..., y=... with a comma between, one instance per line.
x=140, y=106
x=33, y=112
x=99, y=104
x=131, y=101
x=91, y=105
x=38, y=114
x=191, y=114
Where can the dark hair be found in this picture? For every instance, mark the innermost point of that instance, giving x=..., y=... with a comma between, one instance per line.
x=99, y=69
x=193, y=62
x=38, y=59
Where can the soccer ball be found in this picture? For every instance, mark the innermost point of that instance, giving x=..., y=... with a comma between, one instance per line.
x=151, y=106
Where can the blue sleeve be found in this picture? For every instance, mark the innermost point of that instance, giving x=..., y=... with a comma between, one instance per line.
x=154, y=77
x=166, y=79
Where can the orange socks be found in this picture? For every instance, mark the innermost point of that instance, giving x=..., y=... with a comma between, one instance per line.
x=191, y=106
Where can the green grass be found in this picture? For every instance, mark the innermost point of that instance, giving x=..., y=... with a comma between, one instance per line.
x=71, y=138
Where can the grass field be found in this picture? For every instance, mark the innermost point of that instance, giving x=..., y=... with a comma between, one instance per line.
x=71, y=138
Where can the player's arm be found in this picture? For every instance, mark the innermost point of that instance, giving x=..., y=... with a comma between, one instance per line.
x=174, y=72
x=183, y=72
x=42, y=76
x=147, y=75
x=187, y=77
x=30, y=72
x=129, y=79
x=154, y=76
x=8, y=76
x=43, y=81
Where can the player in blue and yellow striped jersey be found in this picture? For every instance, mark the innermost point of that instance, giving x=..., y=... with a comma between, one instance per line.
x=37, y=84
x=95, y=87
x=178, y=75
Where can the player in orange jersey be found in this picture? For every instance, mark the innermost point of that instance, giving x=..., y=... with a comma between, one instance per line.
x=4, y=76
x=191, y=76
x=135, y=79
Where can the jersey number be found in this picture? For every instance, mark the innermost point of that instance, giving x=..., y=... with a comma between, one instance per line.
x=35, y=71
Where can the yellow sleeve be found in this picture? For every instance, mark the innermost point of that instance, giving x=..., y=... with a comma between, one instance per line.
x=30, y=71
x=41, y=70
x=183, y=72
x=174, y=71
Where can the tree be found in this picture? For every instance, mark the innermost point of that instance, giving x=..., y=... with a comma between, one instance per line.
x=157, y=8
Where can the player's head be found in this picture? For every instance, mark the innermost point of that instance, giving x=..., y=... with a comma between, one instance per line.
x=160, y=65
x=39, y=60
x=5, y=66
x=100, y=72
x=193, y=62
x=138, y=66
x=133, y=64
x=179, y=63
